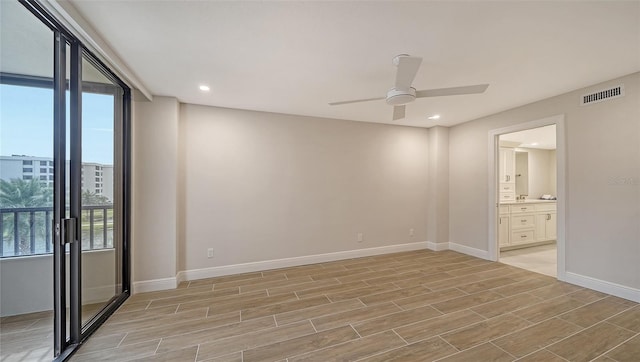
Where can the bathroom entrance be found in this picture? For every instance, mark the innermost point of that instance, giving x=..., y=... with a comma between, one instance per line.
x=526, y=194
x=528, y=207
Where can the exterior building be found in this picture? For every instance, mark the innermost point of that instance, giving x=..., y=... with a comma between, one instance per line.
x=27, y=168
x=96, y=178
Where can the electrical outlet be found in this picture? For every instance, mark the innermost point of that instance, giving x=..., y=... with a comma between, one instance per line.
x=210, y=253
x=360, y=237
x=411, y=232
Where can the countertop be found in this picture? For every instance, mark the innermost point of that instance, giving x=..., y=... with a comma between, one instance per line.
x=527, y=201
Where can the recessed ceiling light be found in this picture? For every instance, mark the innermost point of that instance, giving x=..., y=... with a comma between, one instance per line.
x=534, y=144
x=435, y=116
x=204, y=88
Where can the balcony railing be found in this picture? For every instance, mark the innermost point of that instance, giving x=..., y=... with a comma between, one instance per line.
x=28, y=231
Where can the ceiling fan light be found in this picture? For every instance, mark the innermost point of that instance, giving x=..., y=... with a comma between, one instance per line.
x=398, y=97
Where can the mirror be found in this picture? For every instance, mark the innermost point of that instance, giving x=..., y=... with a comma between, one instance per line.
x=522, y=173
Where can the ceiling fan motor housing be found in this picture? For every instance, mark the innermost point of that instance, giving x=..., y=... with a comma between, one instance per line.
x=398, y=97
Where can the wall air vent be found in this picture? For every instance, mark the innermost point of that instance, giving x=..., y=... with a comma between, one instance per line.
x=602, y=95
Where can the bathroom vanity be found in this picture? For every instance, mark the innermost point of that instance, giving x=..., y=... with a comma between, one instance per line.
x=526, y=223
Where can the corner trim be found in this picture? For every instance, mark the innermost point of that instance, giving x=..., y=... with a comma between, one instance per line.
x=437, y=246
x=295, y=261
x=603, y=286
x=154, y=285
x=482, y=254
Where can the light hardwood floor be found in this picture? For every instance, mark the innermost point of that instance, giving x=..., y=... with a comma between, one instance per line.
x=412, y=306
x=29, y=337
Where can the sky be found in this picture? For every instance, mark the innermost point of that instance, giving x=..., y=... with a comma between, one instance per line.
x=26, y=123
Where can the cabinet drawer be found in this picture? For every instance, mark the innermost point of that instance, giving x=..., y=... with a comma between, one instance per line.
x=507, y=196
x=523, y=221
x=504, y=187
x=551, y=206
x=518, y=237
x=522, y=208
x=504, y=209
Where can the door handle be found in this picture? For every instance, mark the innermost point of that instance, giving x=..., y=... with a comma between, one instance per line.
x=68, y=231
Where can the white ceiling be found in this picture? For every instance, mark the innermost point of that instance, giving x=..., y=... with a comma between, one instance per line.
x=295, y=57
x=542, y=137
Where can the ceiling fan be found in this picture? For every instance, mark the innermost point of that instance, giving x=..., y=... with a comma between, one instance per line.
x=404, y=93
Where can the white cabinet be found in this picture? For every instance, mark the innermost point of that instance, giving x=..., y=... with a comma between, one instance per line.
x=522, y=237
x=507, y=167
x=523, y=221
x=546, y=225
x=522, y=208
x=551, y=227
x=521, y=224
x=503, y=231
x=507, y=191
x=503, y=226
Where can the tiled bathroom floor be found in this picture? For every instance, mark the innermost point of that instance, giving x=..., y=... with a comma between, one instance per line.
x=539, y=259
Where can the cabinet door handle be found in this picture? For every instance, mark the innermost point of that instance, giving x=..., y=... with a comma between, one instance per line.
x=548, y=216
x=523, y=236
x=525, y=220
x=508, y=177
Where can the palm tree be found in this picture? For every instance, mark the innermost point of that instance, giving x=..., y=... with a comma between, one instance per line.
x=24, y=193
x=17, y=194
x=93, y=199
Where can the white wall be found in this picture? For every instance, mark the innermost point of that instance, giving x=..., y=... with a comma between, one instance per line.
x=154, y=180
x=261, y=186
x=438, y=190
x=602, y=175
x=553, y=172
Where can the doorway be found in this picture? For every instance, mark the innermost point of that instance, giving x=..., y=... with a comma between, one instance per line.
x=527, y=187
x=64, y=187
x=526, y=216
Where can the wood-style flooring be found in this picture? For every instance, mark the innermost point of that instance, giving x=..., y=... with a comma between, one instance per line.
x=29, y=337
x=411, y=306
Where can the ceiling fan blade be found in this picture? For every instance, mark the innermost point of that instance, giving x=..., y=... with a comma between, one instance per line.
x=407, y=69
x=398, y=112
x=356, y=101
x=470, y=89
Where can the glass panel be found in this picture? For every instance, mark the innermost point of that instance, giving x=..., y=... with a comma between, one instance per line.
x=100, y=196
x=67, y=188
x=26, y=185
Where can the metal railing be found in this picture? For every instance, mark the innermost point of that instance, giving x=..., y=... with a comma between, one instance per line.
x=28, y=230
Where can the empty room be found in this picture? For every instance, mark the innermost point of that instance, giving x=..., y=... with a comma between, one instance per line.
x=319, y=181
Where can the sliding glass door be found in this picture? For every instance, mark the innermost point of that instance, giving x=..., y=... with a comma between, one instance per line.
x=26, y=185
x=64, y=177
x=100, y=193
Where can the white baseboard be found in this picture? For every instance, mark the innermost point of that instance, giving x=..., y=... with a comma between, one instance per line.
x=154, y=285
x=603, y=286
x=482, y=254
x=195, y=274
x=437, y=246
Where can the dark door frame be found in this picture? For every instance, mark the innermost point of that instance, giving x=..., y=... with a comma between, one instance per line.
x=65, y=232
